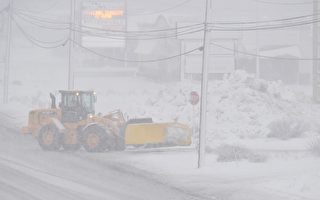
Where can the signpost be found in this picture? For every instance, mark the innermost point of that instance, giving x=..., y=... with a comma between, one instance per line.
x=194, y=99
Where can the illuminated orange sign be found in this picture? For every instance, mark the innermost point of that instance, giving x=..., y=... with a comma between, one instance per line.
x=106, y=14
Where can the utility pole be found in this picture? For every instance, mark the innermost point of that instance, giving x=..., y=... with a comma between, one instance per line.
x=6, y=72
x=204, y=87
x=257, y=44
x=70, y=68
x=126, y=41
x=316, y=74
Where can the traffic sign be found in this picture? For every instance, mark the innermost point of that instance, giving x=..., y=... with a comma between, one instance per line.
x=194, y=98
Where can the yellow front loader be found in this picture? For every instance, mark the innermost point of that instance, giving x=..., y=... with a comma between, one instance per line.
x=74, y=125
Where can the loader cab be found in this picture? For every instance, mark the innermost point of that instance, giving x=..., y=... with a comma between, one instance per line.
x=76, y=105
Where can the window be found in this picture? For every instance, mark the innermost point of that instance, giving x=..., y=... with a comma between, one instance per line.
x=87, y=101
x=72, y=100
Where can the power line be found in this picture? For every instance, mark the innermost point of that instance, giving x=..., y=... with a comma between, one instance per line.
x=137, y=37
x=41, y=19
x=265, y=21
x=41, y=25
x=128, y=34
x=290, y=22
x=134, y=35
x=191, y=29
x=144, y=32
x=212, y=26
x=38, y=18
x=162, y=10
x=38, y=42
x=284, y=3
x=184, y=27
x=53, y=5
x=268, y=27
x=258, y=55
x=122, y=36
x=181, y=27
x=137, y=61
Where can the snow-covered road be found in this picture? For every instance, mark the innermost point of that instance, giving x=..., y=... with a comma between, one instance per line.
x=27, y=172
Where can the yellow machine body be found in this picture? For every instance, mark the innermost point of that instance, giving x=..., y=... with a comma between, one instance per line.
x=166, y=134
x=88, y=129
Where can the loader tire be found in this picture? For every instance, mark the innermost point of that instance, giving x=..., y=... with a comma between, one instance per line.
x=94, y=139
x=120, y=144
x=119, y=141
x=117, y=144
x=49, y=138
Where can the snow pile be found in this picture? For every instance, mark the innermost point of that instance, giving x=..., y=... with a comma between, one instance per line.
x=165, y=103
x=239, y=106
x=243, y=106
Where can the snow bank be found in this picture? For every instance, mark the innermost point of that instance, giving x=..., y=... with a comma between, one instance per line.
x=239, y=106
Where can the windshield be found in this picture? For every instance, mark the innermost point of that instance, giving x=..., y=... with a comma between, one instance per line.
x=87, y=101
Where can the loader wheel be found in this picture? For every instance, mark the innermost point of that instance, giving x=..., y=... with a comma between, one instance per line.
x=94, y=139
x=120, y=144
x=49, y=138
x=117, y=143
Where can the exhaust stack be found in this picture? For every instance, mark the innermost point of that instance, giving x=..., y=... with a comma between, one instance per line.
x=53, y=101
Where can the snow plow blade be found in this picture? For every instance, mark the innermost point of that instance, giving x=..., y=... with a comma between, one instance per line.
x=158, y=134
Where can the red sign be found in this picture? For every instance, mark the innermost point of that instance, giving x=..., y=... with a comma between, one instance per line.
x=194, y=98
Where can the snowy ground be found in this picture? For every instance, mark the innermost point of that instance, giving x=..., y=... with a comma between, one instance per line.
x=286, y=175
x=240, y=111
x=291, y=174
x=30, y=173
